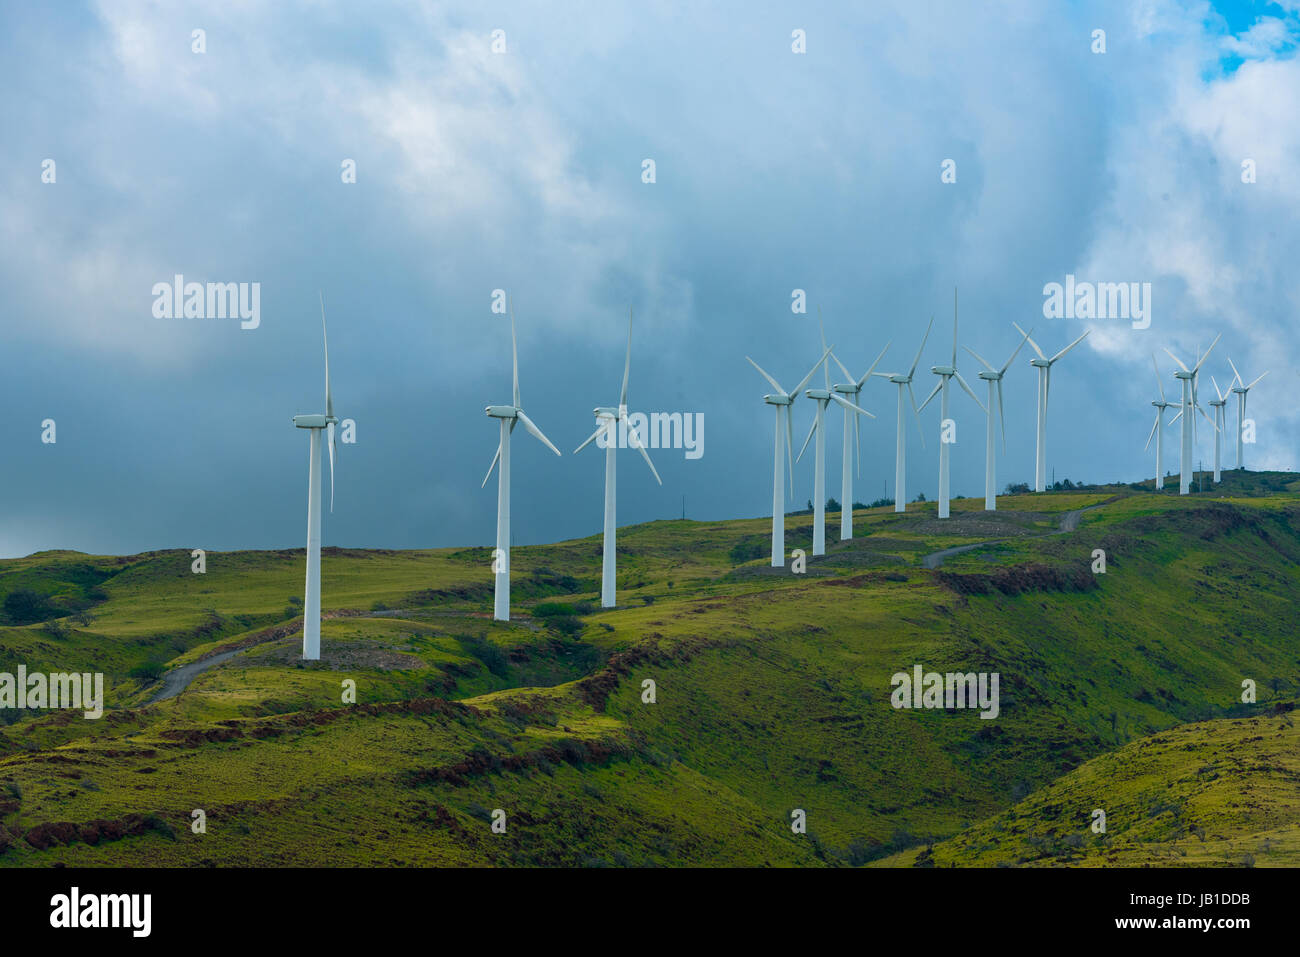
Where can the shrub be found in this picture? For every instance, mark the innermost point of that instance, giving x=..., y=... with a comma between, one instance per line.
x=24, y=606
x=147, y=671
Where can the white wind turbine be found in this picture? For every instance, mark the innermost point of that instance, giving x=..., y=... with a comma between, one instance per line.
x=508, y=416
x=316, y=424
x=900, y=451
x=1044, y=366
x=1241, y=391
x=852, y=440
x=946, y=375
x=1188, y=378
x=823, y=397
x=782, y=399
x=607, y=422
x=994, y=378
x=1220, y=423
x=1158, y=429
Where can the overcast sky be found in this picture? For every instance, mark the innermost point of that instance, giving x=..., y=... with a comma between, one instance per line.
x=522, y=171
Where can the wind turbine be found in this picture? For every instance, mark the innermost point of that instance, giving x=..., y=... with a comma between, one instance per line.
x=607, y=421
x=1220, y=423
x=994, y=378
x=900, y=452
x=946, y=375
x=316, y=424
x=508, y=415
x=1044, y=366
x=823, y=397
x=1241, y=391
x=1188, y=378
x=1158, y=428
x=851, y=437
x=785, y=400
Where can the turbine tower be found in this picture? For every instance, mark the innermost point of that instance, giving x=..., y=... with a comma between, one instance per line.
x=782, y=399
x=1220, y=423
x=1158, y=429
x=507, y=415
x=1241, y=391
x=994, y=378
x=852, y=437
x=822, y=397
x=316, y=424
x=946, y=375
x=900, y=451
x=1044, y=366
x=607, y=422
x=1188, y=378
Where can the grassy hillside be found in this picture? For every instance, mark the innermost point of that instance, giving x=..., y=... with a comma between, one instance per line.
x=772, y=689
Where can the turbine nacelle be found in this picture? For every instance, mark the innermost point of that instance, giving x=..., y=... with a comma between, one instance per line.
x=778, y=399
x=1041, y=363
x=846, y=388
x=819, y=394
x=502, y=411
x=991, y=376
x=943, y=370
x=1180, y=374
x=314, y=421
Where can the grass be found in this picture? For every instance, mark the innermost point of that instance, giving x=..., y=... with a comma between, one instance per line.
x=771, y=694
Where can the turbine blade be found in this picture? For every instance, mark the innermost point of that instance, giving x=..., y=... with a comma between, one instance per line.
x=591, y=438
x=937, y=387
x=1201, y=361
x=916, y=413
x=825, y=368
x=789, y=446
x=1030, y=341
x=1252, y=385
x=1207, y=418
x=1217, y=391
x=1154, y=425
x=1047, y=386
x=954, y=327
x=857, y=443
x=495, y=459
x=1157, y=371
x=1240, y=380
x=1178, y=360
x=329, y=396
x=1007, y=365
x=811, y=372
x=627, y=363
x=799, y=457
x=917, y=360
x=514, y=354
x=775, y=385
x=1070, y=346
x=634, y=439
x=969, y=391
x=872, y=371
x=330, y=438
x=979, y=358
x=535, y=431
x=847, y=374
x=836, y=397
x=1002, y=416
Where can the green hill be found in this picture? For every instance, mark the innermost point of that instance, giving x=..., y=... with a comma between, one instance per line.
x=772, y=690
